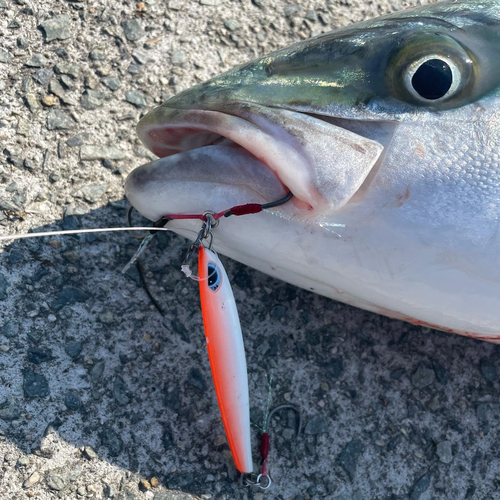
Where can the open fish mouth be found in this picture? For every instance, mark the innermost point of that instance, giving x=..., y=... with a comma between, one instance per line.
x=247, y=152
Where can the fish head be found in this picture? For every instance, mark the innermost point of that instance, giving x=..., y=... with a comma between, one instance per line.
x=390, y=128
x=316, y=118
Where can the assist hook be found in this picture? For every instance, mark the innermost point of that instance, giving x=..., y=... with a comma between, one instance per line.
x=263, y=480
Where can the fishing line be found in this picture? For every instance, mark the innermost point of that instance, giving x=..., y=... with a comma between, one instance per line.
x=65, y=232
x=146, y=241
x=209, y=218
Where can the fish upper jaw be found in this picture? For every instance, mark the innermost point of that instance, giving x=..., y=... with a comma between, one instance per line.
x=321, y=163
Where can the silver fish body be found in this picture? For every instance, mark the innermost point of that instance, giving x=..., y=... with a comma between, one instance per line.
x=388, y=135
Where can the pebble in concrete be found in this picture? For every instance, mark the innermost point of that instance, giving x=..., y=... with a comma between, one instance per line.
x=57, y=28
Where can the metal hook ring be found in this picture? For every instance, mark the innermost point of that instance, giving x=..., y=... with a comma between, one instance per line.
x=254, y=480
x=250, y=479
x=207, y=227
x=259, y=483
x=209, y=216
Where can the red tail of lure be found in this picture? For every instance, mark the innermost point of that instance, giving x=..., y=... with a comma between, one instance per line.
x=227, y=356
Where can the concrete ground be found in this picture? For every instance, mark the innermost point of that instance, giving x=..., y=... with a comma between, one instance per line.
x=102, y=398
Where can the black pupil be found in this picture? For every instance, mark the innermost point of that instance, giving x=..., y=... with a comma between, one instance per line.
x=212, y=275
x=433, y=79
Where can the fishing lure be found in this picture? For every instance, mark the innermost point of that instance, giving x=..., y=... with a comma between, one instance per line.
x=223, y=334
x=227, y=356
x=226, y=351
x=221, y=321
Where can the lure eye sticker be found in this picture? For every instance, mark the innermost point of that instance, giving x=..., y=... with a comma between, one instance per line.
x=214, y=277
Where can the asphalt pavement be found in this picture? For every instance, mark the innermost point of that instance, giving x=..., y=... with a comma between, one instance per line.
x=101, y=396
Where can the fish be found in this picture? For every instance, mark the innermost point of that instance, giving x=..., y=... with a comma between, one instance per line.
x=386, y=132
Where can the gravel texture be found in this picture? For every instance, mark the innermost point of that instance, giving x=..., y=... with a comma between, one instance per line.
x=102, y=398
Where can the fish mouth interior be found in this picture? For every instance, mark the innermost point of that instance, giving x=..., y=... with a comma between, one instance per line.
x=295, y=152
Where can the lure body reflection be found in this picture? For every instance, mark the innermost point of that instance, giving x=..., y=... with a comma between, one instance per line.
x=227, y=356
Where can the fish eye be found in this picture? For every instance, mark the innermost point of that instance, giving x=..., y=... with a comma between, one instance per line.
x=433, y=78
x=431, y=69
x=214, y=278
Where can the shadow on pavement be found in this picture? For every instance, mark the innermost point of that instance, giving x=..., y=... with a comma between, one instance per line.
x=86, y=361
